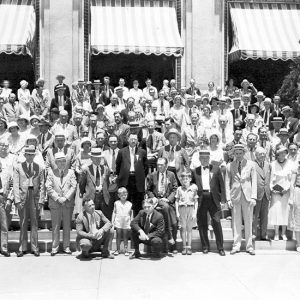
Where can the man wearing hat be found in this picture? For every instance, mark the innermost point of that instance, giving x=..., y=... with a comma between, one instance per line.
x=61, y=186
x=229, y=148
x=289, y=122
x=250, y=127
x=188, y=110
x=132, y=169
x=29, y=193
x=63, y=125
x=211, y=193
x=283, y=136
x=106, y=91
x=11, y=108
x=95, y=97
x=223, y=111
x=237, y=112
x=60, y=78
x=60, y=146
x=121, y=99
x=277, y=123
x=260, y=97
x=175, y=154
x=241, y=195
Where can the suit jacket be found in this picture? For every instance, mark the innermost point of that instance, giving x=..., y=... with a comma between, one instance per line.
x=104, y=98
x=87, y=182
x=50, y=160
x=242, y=114
x=67, y=105
x=49, y=138
x=157, y=225
x=157, y=142
x=67, y=91
x=83, y=225
x=217, y=187
x=55, y=188
x=237, y=184
x=263, y=180
x=11, y=113
x=196, y=91
x=69, y=131
x=21, y=182
x=140, y=166
x=293, y=126
x=170, y=186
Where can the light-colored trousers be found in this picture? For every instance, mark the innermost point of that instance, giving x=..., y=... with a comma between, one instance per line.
x=240, y=210
x=62, y=214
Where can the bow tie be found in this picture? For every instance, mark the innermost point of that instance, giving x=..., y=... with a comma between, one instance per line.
x=207, y=167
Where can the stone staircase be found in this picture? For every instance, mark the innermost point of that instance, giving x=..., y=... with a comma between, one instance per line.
x=45, y=238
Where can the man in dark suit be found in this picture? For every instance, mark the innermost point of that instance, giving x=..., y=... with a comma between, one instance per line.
x=148, y=228
x=61, y=100
x=60, y=78
x=162, y=184
x=193, y=90
x=261, y=209
x=106, y=91
x=93, y=230
x=211, y=192
x=131, y=169
x=238, y=113
x=266, y=113
x=290, y=123
x=45, y=138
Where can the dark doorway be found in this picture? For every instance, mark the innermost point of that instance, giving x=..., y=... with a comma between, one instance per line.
x=131, y=67
x=266, y=75
x=15, y=68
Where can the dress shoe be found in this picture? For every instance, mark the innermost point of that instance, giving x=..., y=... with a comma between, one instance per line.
x=276, y=238
x=265, y=239
x=135, y=254
x=107, y=255
x=184, y=251
x=36, y=253
x=222, y=252
x=5, y=253
x=68, y=251
x=20, y=253
x=251, y=252
x=156, y=256
x=171, y=241
x=189, y=251
x=205, y=251
x=174, y=251
x=284, y=237
x=234, y=251
x=298, y=249
x=53, y=253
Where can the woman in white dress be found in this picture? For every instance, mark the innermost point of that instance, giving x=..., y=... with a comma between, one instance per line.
x=216, y=151
x=280, y=185
x=24, y=95
x=177, y=112
x=208, y=121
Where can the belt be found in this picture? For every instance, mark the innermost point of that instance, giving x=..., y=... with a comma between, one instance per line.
x=206, y=191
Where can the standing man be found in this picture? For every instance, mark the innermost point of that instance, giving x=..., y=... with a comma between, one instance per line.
x=193, y=90
x=60, y=78
x=45, y=138
x=28, y=185
x=61, y=186
x=261, y=210
x=11, y=109
x=132, y=169
x=241, y=194
x=106, y=91
x=61, y=100
x=211, y=192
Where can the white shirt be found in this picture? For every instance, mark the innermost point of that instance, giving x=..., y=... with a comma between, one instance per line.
x=108, y=154
x=205, y=178
x=136, y=94
x=172, y=162
x=132, y=154
x=95, y=171
x=93, y=227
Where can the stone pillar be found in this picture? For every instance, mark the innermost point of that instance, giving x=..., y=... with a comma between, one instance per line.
x=61, y=41
x=203, y=38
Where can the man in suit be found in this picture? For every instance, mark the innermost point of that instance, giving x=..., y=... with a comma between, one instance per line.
x=61, y=186
x=176, y=155
x=60, y=146
x=261, y=209
x=11, y=109
x=60, y=78
x=28, y=186
x=290, y=123
x=238, y=113
x=45, y=138
x=132, y=169
x=163, y=106
x=162, y=184
x=129, y=108
x=193, y=90
x=61, y=100
x=251, y=146
x=121, y=130
x=263, y=141
x=211, y=193
x=267, y=111
x=93, y=230
x=106, y=91
x=228, y=151
x=95, y=97
x=241, y=195
x=148, y=228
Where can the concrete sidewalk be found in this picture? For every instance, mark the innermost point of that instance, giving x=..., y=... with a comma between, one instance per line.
x=268, y=275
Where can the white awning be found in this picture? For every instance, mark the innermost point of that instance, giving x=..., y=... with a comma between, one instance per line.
x=134, y=26
x=17, y=28
x=265, y=30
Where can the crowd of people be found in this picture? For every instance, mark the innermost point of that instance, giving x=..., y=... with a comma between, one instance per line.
x=143, y=163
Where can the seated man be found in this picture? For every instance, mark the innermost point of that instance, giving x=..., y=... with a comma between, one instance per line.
x=148, y=227
x=93, y=230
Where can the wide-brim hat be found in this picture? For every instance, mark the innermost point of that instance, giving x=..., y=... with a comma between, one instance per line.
x=43, y=122
x=172, y=131
x=60, y=76
x=245, y=81
x=40, y=80
x=12, y=124
x=4, y=121
x=260, y=94
x=286, y=108
x=24, y=117
x=216, y=133
x=34, y=117
x=282, y=149
x=133, y=125
x=85, y=140
x=239, y=147
x=96, y=152
x=283, y=131
x=59, y=156
x=97, y=82
x=30, y=150
x=256, y=105
x=277, y=120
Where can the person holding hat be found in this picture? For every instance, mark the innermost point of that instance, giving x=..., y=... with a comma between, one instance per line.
x=123, y=87
x=241, y=195
x=61, y=186
x=148, y=228
x=176, y=155
x=289, y=122
x=29, y=193
x=60, y=78
x=247, y=88
x=237, y=112
x=59, y=146
x=280, y=185
x=211, y=193
x=15, y=140
x=106, y=91
x=11, y=108
x=45, y=138
x=135, y=92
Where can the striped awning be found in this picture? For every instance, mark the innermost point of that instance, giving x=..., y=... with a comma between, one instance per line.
x=17, y=27
x=135, y=26
x=265, y=31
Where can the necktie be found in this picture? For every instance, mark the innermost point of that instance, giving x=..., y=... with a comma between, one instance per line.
x=93, y=132
x=43, y=140
x=223, y=136
x=162, y=182
x=190, y=112
x=61, y=177
x=236, y=114
x=113, y=162
x=240, y=167
x=150, y=141
x=162, y=106
x=262, y=165
x=172, y=154
x=29, y=170
x=97, y=176
x=206, y=167
x=266, y=117
x=222, y=112
x=147, y=224
x=195, y=132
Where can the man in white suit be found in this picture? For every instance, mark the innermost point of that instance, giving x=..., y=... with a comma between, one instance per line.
x=241, y=194
x=61, y=186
